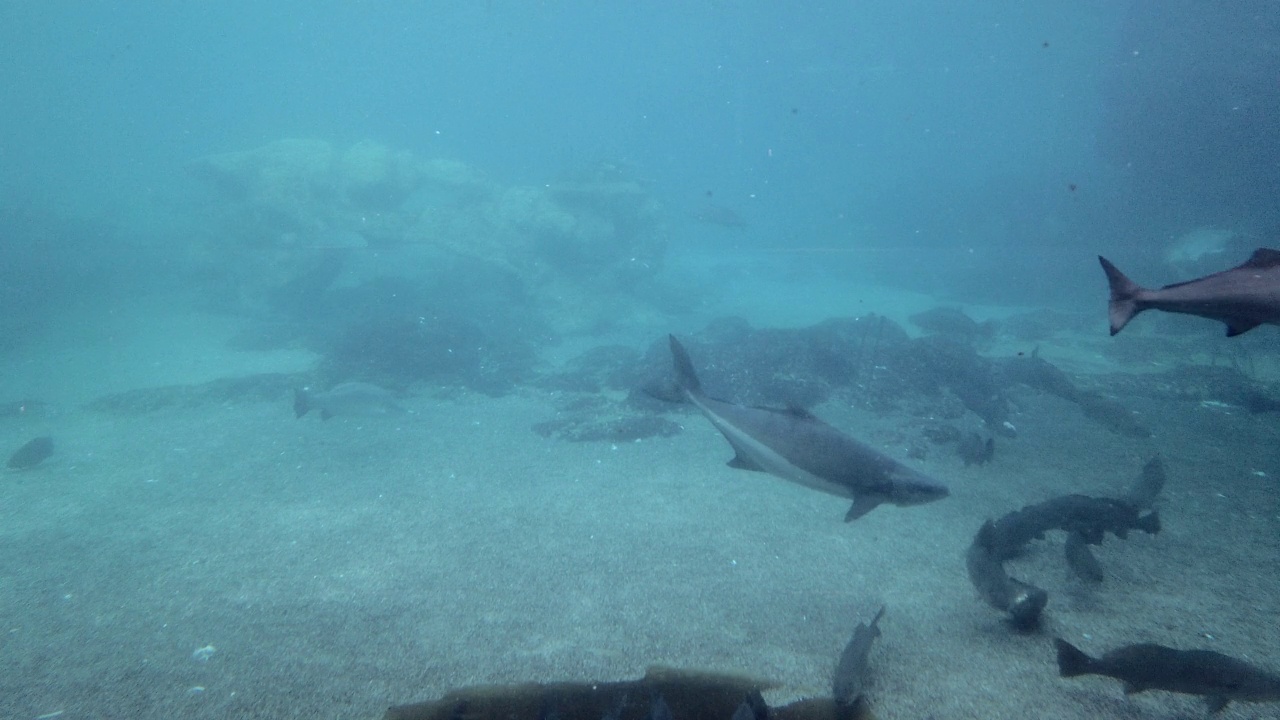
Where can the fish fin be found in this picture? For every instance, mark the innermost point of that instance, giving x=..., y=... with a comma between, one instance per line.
x=1132, y=687
x=686, y=376
x=1215, y=703
x=325, y=414
x=862, y=505
x=1240, y=327
x=300, y=403
x=1124, y=296
x=742, y=462
x=1263, y=258
x=1072, y=661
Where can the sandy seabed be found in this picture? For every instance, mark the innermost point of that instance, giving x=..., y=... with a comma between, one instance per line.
x=231, y=561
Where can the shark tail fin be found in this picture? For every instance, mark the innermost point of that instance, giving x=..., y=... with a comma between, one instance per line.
x=686, y=376
x=1124, y=296
x=1072, y=661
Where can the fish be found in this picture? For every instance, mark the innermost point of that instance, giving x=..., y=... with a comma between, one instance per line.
x=794, y=445
x=352, y=399
x=851, y=672
x=1090, y=517
x=32, y=454
x=973, y=449
x=953, y=323
x=673, y=693
x=1218, y=678
x=1243, y=297
x=1023, y=601
x=712, y=214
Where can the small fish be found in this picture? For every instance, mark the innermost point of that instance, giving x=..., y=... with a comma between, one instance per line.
x=352, y=399
x=31, y=454
x=851, y=672
x=1243, y=297
x=1216, y=677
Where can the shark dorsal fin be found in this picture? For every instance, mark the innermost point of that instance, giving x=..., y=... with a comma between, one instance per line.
x=1240, y=327
x=1263, y=258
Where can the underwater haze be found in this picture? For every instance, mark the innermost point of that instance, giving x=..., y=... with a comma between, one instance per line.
x=337, y=346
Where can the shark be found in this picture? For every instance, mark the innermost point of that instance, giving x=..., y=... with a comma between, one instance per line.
x=1243, y=297
x=794, y=445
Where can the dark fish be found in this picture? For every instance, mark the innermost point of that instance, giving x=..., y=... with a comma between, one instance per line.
x=353, y=399
x=953, y=323
x=673, y=693
x=851, y=672
x=974, y=450
x=31, y=454
x=1023, y=601
x=1144, y=492
x=794, y=445
x=1081, y=560
x=1091, y=517
x=1218, y=678
x=1243, y=297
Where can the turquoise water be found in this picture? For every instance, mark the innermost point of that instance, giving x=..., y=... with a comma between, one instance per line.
x=496, y=212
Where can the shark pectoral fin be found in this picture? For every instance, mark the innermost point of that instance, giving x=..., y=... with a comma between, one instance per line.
x=1215, y=702
x=862, y=505
x=1132, y=687
x=742, y=462
x=1240, y=327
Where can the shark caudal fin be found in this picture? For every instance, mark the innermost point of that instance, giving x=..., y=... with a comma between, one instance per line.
x=1124, y=296
x=1072, y=661
x=686, y=376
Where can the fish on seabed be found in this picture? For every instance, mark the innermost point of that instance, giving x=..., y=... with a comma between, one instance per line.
x=355, y=399
x=1243, y=297
x=848, y=683
x=31, y=454
x=1216, y=677
x=794, y=445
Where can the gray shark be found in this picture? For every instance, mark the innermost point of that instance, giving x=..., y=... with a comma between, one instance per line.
x=794, y=445
x=1243, y=297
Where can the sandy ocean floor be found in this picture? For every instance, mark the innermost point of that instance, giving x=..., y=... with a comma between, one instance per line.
x=231, y=561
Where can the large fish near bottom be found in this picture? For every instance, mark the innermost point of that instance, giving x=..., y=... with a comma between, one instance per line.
x=794, y=445
x=1217, y=678
x=1243, y=297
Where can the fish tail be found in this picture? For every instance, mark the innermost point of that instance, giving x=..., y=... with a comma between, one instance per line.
x=686, y=376
x=301, y=404
x=1124, y=296
x=1072, y=661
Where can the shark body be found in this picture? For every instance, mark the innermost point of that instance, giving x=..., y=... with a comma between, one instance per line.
x=1243, y=297
x=795, y=445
